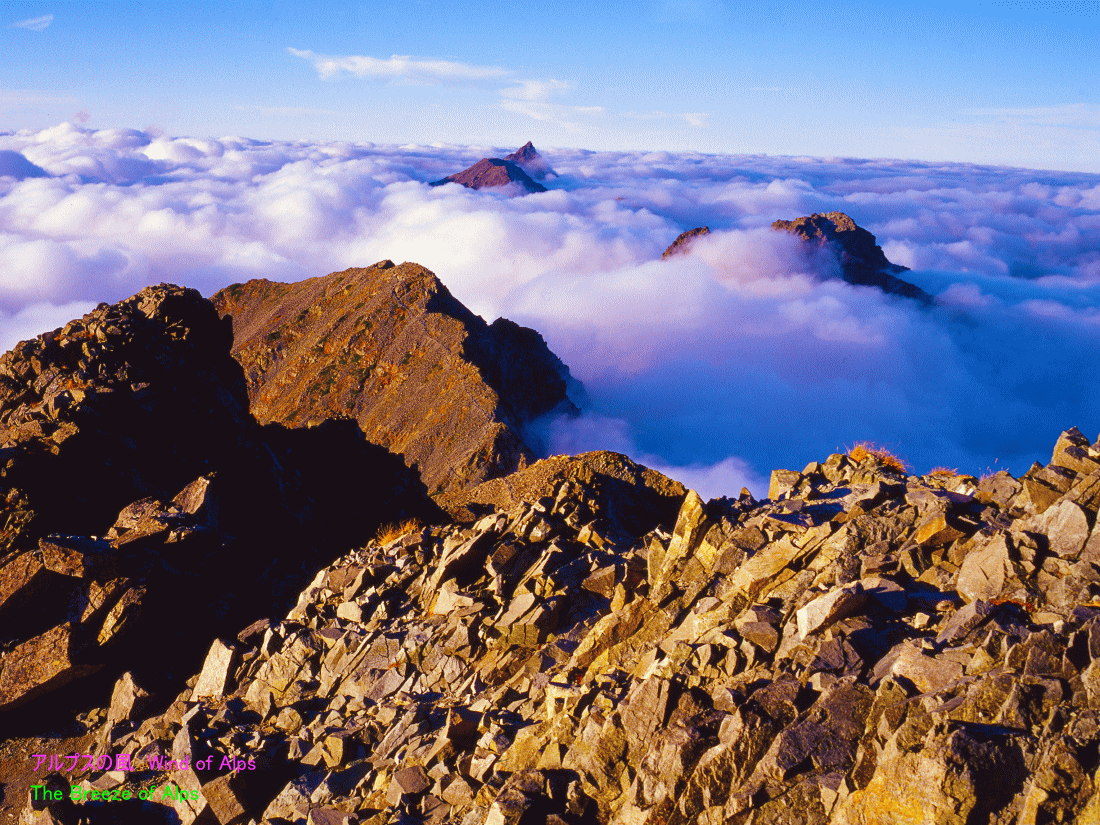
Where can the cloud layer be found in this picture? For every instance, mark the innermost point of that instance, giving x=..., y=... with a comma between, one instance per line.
x=716, y=366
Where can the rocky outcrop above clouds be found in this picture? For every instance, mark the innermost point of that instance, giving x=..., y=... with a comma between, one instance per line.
x=520, y=168
x=861, y=260
x=863, y=646
x=391, y=347
x=138, y=495
x=528, y=159
x=683, y=241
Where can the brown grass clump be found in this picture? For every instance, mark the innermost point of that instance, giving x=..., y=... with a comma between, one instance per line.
x=946, y=472
x=865, y=448
x=395, y=530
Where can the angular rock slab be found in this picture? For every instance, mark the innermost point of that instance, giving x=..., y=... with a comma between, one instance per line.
x=839, y=603
x=217, y=671
x=985, y=571
x=1067, y=529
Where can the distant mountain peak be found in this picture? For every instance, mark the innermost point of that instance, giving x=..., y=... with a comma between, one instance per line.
x=528, y=159
x=522, y=167
x=862, y=261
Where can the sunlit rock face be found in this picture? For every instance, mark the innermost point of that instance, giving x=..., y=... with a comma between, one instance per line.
x=391, y=347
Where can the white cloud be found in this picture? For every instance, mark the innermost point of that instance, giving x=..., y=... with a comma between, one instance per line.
x=399, y=67
x=530, y=98
x=569, y=436
x=716, y=366
x=36, y=319
x=35, y=24
x=535, y=89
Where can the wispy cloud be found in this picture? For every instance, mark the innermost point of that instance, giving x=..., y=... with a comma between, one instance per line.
x=535, y=89
x=399, y=67
x=572, y=118
x=530, y=98
x=35, y=24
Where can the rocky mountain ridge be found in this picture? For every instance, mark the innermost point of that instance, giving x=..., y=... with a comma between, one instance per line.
x=862, y=646
x=390, y=346
x=133, y=480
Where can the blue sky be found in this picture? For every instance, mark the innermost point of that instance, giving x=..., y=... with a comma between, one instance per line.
x=1010, y=83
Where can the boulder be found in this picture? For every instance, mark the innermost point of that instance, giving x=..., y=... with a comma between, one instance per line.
x=986, y=570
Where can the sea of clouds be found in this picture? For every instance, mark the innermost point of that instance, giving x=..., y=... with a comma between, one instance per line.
x=716, y=366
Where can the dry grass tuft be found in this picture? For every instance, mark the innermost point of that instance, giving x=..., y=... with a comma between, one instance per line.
x=395, y=530
x=946, y=472
x=865, y=448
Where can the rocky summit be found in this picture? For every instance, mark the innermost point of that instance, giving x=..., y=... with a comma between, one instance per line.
x=390, y=346
x=861, y=260
x=863, y=646
x=519, y=169
x=528, y=159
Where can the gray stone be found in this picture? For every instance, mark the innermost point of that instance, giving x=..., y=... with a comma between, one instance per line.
x=127, y=700
x=330, y=816
x=224, y=795
x=782, y=483
x=963, y=621
x=761, y=634
x=40, y=665
x=886, y=592
x=349, y=612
